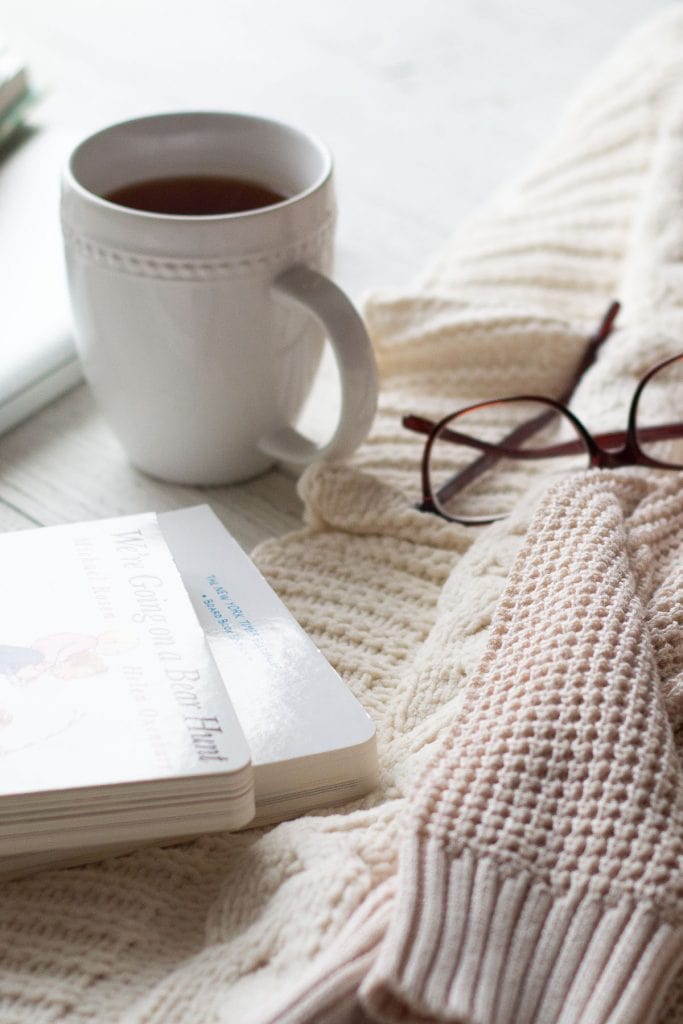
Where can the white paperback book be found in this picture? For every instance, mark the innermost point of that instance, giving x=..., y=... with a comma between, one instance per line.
x=154, y=687
x=115, y=726
x=312, y=744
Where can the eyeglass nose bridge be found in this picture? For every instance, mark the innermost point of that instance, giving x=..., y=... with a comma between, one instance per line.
x=603, y=458
x=612, y=458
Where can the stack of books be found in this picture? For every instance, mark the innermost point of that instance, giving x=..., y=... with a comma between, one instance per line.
x=152, y=688
x=16, y=93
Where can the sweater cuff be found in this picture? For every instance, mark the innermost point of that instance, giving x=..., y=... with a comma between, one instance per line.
x=471, y=942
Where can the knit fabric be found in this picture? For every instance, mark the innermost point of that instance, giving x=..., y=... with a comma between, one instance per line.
x=542, y=879
x=540, y=874
x=456, y=891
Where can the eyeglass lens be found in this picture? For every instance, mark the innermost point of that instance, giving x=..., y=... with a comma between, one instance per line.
x=475, y=482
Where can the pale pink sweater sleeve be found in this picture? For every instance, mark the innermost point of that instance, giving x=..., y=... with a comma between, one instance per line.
x=541, y=881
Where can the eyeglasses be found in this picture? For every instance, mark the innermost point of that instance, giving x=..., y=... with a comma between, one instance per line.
x=540, y=433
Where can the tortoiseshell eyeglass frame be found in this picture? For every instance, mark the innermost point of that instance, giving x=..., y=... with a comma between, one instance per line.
x=605, y=451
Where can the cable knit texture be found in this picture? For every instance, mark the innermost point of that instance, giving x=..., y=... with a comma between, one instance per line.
x=520, y=862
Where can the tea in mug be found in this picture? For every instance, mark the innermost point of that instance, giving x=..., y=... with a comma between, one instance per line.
x=195, y=195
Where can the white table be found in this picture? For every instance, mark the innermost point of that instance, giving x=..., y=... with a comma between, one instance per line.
x=427, y=105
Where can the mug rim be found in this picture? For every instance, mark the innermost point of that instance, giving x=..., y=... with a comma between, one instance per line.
x=106, y=205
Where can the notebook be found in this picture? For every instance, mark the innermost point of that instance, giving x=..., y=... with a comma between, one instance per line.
x=38, y=361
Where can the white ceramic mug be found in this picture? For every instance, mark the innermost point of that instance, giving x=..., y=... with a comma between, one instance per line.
x=201, y=335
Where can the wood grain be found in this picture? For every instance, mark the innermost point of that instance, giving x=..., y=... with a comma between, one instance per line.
x=65, y=465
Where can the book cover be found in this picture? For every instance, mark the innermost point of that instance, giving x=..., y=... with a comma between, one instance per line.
x=113, y=715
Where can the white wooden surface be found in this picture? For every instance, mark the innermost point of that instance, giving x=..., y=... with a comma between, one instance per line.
x=427, y=105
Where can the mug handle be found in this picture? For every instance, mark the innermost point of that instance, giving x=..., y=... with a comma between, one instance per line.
x=355, y=360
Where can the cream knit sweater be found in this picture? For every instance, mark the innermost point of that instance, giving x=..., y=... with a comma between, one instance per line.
x=521, y=861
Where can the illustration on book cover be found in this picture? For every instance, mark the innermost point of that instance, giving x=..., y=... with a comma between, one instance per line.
x=26, y=719
x=104, y=669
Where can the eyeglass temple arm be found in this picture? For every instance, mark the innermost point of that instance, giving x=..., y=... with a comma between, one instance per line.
x=662, y=432
x=591, y=350
x=421, y=425
x=530, y=427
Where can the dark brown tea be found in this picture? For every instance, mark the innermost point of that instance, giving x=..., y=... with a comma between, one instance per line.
x=194, y=195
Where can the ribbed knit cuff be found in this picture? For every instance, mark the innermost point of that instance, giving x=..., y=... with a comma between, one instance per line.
x=470, y=943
